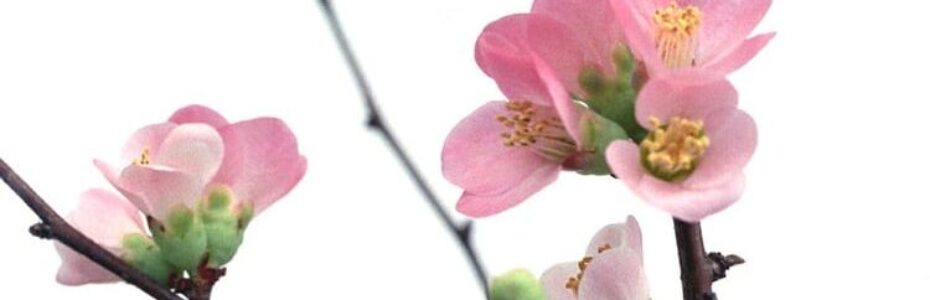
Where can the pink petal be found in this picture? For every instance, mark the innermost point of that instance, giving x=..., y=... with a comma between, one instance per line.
x=146, y=138
x=475, y=158
x=563, y=51
x=732, y=135
x=729, y=61
x=193, y=148
x=160, y=189
x=502, y=52
x=555, y=279
x=113, y=176
x=635, y=19
x=477, y=206
x=663, y=99
x=690, y=205
x=620, y=235
x=568, y=111
x=726, y=24
x=105, y=218
x=624, y=161
x=593, y=23
x=616, y=274
x=262, y=162
x=198, y=114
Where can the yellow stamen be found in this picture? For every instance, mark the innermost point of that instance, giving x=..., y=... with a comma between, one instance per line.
x=143, y=159
x=676, y=34
x=574, y=282
x=544, y=135
x=672, y=151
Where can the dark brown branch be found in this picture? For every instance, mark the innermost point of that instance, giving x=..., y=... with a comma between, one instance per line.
x=698, y=269
x=54, y=227
x=376, y=122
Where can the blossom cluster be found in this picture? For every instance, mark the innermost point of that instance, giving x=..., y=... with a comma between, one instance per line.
x=187, y=190
x=636, y=89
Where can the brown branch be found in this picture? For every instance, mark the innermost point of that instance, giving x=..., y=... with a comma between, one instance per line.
x=54, y=227
x=698, y=269
x=376, y=121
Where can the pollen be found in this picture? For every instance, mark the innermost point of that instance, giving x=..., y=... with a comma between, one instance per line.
x=525, y=127
x=673, y=150
x=676, y=34
x=144, y=158
x=574, y=282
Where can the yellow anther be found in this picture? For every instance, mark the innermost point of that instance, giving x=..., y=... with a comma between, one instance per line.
x=673, y=150
x=574, y=282
x=524, y=128
x=143, y=159
x=676, y=34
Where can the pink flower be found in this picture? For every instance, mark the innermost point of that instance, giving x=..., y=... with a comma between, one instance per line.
x=170, y=165
x=697, y=40
x=690, y=164
x=612, y=268
x=121, y=218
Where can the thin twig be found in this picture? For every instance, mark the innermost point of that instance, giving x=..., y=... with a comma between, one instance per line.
x=376, y=121
x=698, y=269
x=54, y=227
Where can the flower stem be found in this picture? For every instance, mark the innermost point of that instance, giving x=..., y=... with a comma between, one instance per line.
x=53, y=226
x=697, y=271
x=376, y=122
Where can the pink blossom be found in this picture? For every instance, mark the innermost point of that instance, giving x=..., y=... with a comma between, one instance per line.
x=691, y=163
x=121, y=218
x=696, y=40
x=611, y=269
x=172, y=164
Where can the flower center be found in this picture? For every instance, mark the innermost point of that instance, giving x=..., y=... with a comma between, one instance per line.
x=676, y=34
x=144, y=159
x=672, y=151
x=543, y=135
x=575, y=281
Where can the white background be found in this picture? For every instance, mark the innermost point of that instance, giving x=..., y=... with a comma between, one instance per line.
x=835, y=207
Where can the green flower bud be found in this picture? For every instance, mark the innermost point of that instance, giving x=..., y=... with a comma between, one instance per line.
x=143, y=254
x=182, y=238
x=614, y=97
x=225, y=224
x=518, y=284
x=597, y=133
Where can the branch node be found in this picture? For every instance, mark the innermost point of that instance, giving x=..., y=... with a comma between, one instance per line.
x=42, y=231
x=374, y=122
x=723, y=263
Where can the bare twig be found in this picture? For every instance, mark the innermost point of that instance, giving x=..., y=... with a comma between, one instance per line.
x=54, y=227
x=376, y=122
x=698, y=269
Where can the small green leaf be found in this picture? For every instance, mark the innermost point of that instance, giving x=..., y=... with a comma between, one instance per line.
x=143, y=254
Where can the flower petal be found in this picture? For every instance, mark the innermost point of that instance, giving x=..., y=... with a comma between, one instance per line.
x=563, y=51
x=732, y=135
x=568, y=111
x=113, y=176
x=502, y=52
x=198, y=114
x=161, y=189
x=690, y=205
x=729, y=61
x=663, y=99
x=262, y=162
x=477, y=206
x=726, y=24
x=147, y=138
x=620, y=235
x=624, y=161
x=635, y=19
x=555, y=279
x=616, y=274
x=121, y=218
x=593, y=23
x=193, y=148
x=475, y=158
